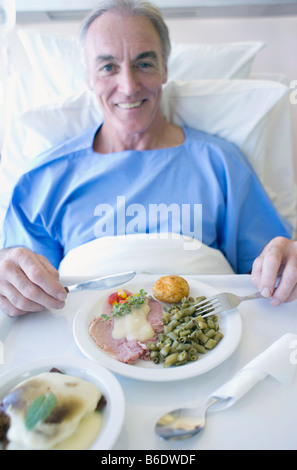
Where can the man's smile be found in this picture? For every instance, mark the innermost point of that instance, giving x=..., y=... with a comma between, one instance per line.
x=136, y=104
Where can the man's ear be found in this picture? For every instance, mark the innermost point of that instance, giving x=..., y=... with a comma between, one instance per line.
x=165, y=74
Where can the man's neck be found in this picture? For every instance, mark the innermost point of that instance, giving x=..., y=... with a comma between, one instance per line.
x=165, y=135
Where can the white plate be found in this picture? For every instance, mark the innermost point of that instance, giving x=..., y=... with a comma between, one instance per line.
x=114, y=411
x=230, y=325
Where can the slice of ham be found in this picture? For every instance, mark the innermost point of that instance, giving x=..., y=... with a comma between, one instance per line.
x=127, y=351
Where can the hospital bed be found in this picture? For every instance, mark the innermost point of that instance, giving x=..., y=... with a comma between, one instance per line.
x=210, y=87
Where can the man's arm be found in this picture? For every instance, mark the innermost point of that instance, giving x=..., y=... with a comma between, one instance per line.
x=278, y=258
x=28, y=282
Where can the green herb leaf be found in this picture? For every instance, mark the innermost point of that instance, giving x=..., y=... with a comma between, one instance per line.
x=40, y=409
x=134, y=301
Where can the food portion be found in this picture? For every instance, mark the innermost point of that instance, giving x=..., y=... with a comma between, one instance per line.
x=127, y=323
x=46, y=411
x=137, y=326
x=186, y=335
x=171, y=289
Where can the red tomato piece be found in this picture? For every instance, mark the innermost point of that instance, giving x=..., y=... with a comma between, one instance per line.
x=117, y=297
x=113, y=298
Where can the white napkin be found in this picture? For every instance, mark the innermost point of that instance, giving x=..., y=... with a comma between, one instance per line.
x=278, y=361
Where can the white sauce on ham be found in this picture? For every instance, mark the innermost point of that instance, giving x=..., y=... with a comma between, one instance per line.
x=134, y=325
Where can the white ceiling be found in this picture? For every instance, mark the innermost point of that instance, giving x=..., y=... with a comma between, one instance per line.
x=59, y=5
x=74, y=9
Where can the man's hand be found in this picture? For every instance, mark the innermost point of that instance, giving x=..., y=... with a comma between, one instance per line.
x=28, y=283
x=279, y=258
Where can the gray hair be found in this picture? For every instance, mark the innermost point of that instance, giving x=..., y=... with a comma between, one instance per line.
x=135, y=8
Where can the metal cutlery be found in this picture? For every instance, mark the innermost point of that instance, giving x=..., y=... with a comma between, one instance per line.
x=222, y=302
x=183, y=423
x=104, y=282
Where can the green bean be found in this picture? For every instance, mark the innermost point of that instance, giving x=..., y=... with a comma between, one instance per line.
x=192, y=355
x=177, y=316
x=187, y=318
x=172, y=335
x=190, y=324
x=170, y=326
x=201, y=336
x=193, y=335
x=165, y=350
x=160, y=344
x=185, y=333
x=202, y=325
x=210, y=344
x=211, y=324
x=166, y=318
x=183, y=339
x=155, y=357
x=200, y=349
x=182, y=346
x=152, y=346
x=175, y=344
x=168, y=340
x=182, y=356
x=218, y=336
x=170, y=360
x=200, y=299
x=210, y=333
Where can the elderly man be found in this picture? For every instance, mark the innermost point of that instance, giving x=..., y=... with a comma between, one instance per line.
x=136, y=152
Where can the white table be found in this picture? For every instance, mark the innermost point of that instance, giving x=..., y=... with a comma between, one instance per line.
x=265, y=418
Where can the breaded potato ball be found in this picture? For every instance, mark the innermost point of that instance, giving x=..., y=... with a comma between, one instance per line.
x=171, y=289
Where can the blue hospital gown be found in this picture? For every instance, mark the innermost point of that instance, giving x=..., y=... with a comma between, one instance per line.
x=74, y=195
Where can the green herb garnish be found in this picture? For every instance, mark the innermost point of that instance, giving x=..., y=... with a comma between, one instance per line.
x=120, y=309
x=40, y=409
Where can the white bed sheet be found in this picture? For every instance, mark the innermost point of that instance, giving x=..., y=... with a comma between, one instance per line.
x=144, y=254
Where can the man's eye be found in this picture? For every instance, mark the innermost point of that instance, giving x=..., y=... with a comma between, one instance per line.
x=107, y=68
x=145, y=65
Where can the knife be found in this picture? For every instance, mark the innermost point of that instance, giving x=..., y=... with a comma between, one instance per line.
x=104, y=282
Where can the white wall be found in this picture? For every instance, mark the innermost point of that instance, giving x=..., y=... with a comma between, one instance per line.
x=279, y=35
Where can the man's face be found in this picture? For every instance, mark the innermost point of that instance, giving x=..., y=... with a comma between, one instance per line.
x=126, y=70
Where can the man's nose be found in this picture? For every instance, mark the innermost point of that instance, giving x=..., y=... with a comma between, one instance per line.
x=128, y=83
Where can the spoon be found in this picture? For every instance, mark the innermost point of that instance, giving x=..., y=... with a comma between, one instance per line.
x=185, y=422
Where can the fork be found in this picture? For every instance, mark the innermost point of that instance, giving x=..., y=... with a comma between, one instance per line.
x=221, y=302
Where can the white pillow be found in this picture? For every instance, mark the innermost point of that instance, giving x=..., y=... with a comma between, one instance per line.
x=256, y=116
x=199, y=61
x=51, y=124
x=55, y=61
